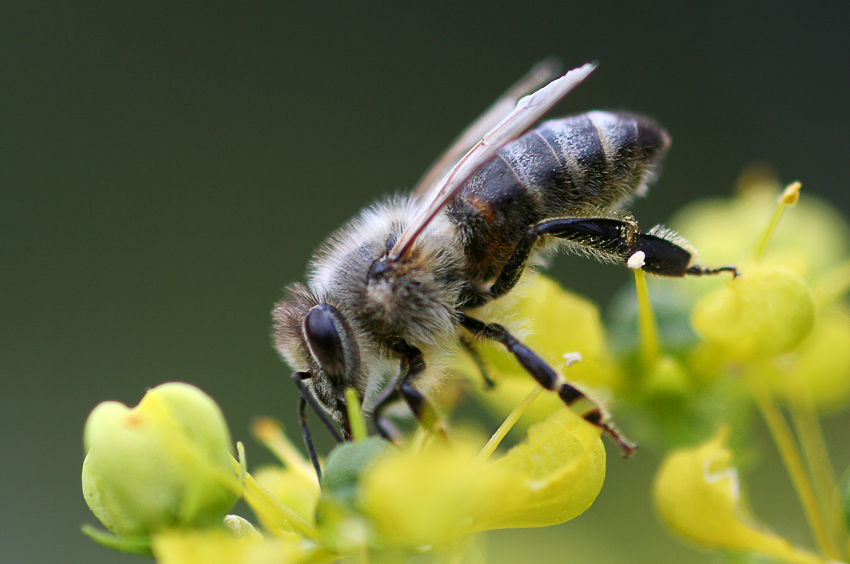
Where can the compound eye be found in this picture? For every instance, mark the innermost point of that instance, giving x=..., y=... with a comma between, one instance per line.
x=323, y=328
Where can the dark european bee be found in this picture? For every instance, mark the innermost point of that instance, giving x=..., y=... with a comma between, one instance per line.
x=391, y=292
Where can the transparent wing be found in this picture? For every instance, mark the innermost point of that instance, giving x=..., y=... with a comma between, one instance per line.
x=527, y=111
x=540, y=74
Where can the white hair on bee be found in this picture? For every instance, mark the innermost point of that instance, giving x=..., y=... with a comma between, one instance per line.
x=664, y=232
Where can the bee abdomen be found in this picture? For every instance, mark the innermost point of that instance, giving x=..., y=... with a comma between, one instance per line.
x=592, y=161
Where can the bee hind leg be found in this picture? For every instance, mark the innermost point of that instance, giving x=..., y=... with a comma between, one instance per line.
x=608, y=239
x=549, y=379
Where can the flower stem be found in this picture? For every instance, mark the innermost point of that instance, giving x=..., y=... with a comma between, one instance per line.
x=793, y=463
x=650, y=343
x=271, y=435
x=508, y=424
x=816, y=455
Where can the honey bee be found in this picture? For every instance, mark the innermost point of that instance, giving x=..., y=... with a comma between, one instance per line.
x=394, y=289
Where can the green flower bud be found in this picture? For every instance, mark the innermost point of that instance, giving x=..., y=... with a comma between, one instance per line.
x=165, y=463
x=764, y=312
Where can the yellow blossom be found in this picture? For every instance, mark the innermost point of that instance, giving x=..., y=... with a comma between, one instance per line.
x=698, y=497
x=765, y=312
x=812, y=238
x=223, y=547
x=441, y=493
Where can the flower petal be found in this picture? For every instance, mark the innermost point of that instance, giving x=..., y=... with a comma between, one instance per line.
x=697, y=495
x=439, y=494
x=164, y=463
x=552, y=476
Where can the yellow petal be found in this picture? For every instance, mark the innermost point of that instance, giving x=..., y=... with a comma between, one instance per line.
x=697, y=495
x=813, y=234
x=217, y=546
x=432, y=496
x=764, y=312
x=439, y=494
x=552, y=476
x=292, y=488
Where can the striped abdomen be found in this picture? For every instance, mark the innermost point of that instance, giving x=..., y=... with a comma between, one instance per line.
x=565, y=167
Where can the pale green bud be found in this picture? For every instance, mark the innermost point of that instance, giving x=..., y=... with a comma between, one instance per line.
x=164, y=463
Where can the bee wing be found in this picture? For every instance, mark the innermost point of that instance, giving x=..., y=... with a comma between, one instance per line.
x=527, y=111
x=540, y=74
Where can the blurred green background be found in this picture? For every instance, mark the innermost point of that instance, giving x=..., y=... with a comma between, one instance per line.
x=167, y=167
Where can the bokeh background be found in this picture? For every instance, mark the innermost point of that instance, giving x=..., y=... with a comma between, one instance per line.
x=167, y=167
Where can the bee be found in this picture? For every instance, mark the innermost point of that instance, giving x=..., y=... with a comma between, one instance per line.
x=398, y=286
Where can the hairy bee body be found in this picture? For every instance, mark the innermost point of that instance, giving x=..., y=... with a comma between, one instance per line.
x=574, y=167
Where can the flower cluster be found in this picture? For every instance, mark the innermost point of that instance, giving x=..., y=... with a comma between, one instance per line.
x=775, y=337
x=686, y=358
x=163, y=489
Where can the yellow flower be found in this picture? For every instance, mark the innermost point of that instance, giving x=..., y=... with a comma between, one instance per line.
x=812, y=238
x=698, y=497
x=222, y=547
x=790, y=300
x=442, y=493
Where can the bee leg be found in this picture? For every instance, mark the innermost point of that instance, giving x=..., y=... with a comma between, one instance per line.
x=308, y=437
x=608, y=239
x=469, y=346
x=664, y=257
x=548, y=378
x=413, y=365
x=308, y=397
x=603, y=236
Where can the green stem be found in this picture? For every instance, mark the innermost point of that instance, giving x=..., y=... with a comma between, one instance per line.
x=265, y=504
x=793, y=463
x=816, y=455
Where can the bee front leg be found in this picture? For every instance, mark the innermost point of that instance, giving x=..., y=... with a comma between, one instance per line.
x=548, y=378
x=306, y=397
x=413, y=365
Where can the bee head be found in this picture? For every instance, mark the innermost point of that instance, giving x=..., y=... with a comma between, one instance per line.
x=314, y=337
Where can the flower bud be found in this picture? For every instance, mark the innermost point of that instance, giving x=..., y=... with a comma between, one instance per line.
x=164, y=463
x=764, y=312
